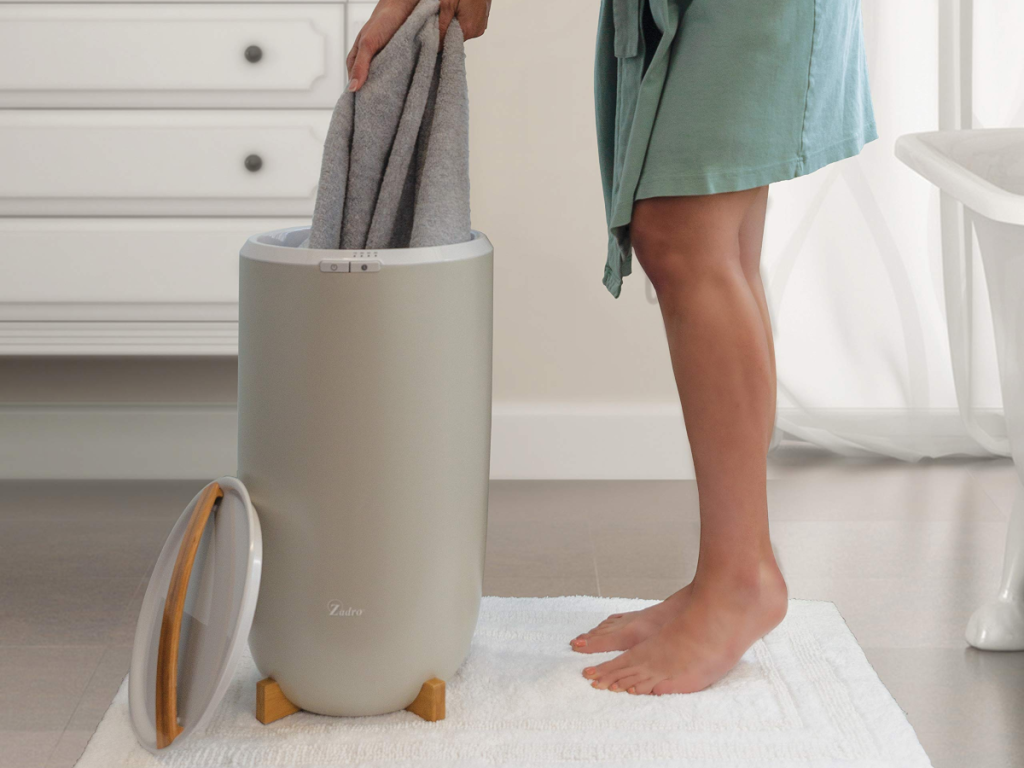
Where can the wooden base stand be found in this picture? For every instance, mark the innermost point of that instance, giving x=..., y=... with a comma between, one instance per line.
x=272, y=705
x=429, y=704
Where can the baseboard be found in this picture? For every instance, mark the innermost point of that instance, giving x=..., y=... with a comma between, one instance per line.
x=169, y=442
x=529, y=441
x=108, y=442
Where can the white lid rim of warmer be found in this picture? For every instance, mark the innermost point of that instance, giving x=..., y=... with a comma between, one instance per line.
x=282, y=246
x=150, y=621
x=250, y=594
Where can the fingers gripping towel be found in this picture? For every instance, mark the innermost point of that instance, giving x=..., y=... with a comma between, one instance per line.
x=395, y=171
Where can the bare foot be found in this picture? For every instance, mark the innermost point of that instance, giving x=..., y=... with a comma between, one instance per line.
x=622, y=631
x=697, y=647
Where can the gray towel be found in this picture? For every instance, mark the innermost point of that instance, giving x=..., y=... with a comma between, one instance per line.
x=395, y=171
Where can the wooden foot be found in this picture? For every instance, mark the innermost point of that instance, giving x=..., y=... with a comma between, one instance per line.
x=429, y=704
x=271, y=704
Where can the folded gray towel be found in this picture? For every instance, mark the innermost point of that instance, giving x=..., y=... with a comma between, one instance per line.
x=395, y=171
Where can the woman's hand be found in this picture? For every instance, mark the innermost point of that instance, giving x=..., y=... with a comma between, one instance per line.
x=389, y=15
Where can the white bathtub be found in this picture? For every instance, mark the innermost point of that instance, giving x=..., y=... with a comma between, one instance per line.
x=984, y=170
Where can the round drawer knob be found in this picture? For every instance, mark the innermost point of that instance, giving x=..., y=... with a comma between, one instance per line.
x=253, y=54
x=253, y=163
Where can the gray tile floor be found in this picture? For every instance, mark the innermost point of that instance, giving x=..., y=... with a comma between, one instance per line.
x=905, y=551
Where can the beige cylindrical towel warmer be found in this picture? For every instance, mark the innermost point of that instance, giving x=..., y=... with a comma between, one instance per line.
x=364, y=407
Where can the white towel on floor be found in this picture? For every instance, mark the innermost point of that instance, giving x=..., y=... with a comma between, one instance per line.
x=804, y=697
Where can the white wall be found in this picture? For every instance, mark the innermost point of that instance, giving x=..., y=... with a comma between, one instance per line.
x=559, y=335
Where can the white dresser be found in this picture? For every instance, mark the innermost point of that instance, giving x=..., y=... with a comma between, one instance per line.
x=140, y=144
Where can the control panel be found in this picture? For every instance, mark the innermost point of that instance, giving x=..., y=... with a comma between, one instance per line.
x=350, y=265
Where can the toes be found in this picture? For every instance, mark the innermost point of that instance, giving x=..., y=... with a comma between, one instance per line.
x=676, y=685
x=619, y=662
x=617, y=626
x=663, y=687
x=605, y=627
x=612, y=680
x=608, y=625
x=583, y=641
x=603, y=644
x=643, y=687
x=627, y=682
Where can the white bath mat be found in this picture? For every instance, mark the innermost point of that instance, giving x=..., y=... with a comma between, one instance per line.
x=804, y=696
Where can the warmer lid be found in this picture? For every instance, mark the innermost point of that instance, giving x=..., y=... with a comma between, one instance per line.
x=196, y=615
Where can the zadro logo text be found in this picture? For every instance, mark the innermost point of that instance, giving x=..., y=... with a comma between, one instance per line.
x=337, y=608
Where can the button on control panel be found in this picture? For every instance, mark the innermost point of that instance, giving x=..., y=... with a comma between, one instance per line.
x=334, y=265
x=369, y=265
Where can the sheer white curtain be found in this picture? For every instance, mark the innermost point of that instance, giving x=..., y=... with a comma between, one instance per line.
x=853, y=265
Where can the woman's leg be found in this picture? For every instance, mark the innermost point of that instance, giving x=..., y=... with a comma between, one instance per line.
x=751, y=238
x=622, y=631
x=715, y=320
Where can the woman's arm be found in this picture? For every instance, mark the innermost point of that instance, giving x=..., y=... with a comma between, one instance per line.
x=389, y=15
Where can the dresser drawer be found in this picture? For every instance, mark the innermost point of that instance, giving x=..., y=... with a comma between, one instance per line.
x=160, y=163
x=123, y=270
x=172, y=55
